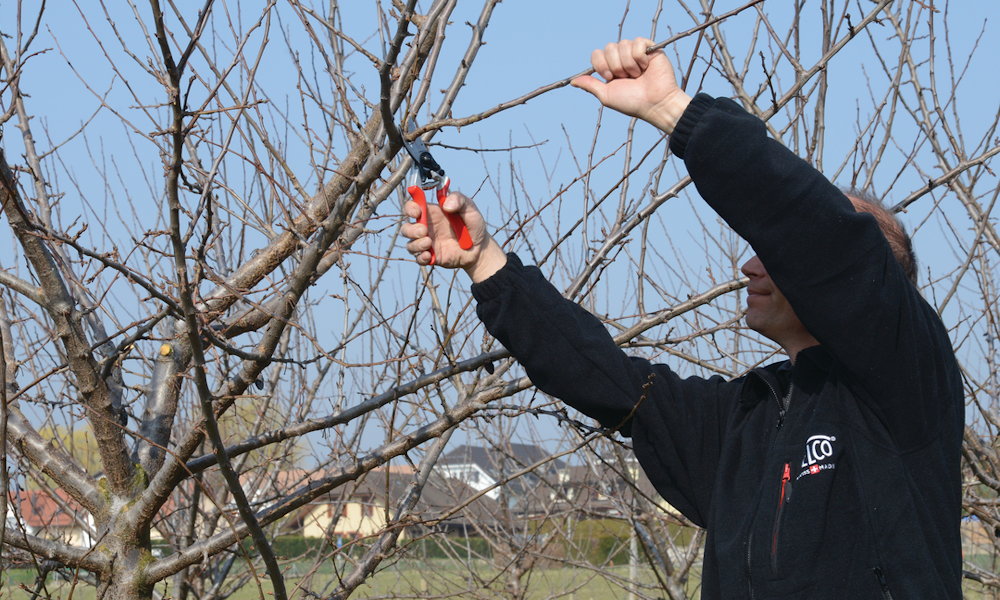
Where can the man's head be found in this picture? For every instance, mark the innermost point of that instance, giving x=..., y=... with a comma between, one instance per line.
x=770, y=314
x=768, y=311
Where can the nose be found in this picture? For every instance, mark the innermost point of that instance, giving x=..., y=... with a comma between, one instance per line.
x=753, y=268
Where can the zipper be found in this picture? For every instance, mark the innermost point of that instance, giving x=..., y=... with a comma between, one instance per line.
x=886, y=595
x=777, y=398
x=784, y=497
x=781, y=420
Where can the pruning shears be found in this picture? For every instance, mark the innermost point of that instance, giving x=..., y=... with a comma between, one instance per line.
x=427, y=174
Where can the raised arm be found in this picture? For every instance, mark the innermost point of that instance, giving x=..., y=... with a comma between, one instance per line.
x=832, y=263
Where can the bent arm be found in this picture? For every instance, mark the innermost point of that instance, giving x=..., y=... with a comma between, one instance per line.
x=677, y=424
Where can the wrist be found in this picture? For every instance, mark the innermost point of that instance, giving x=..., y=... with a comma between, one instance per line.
x=490, y=260
x=665, y=115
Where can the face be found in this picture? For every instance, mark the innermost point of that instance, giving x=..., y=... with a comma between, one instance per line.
x=768, y=312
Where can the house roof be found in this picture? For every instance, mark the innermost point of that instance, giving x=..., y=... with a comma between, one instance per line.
x=286, y=479
x=440, y=495
x=42, y=508
x=507, y=457
x=602, y=488
x=263, y=479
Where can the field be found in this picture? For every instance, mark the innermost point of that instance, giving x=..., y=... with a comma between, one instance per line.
x=438, y=578
x=431, y=578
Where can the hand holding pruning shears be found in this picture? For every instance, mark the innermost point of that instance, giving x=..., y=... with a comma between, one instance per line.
x=427, y=174
x=451, y=233
x=432, y=237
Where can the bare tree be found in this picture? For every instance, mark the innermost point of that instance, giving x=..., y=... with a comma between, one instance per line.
x=203, y=274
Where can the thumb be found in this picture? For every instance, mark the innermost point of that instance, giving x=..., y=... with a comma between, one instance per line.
x=455, y=202
x=591, y=84
x=459, y=203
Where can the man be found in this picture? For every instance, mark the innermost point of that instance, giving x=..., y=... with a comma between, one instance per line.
x=834, y=474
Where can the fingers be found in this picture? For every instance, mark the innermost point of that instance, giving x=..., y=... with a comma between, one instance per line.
x=641, y=54
x=420, y=244
x=438, y=236
x=411, y=209
x=466, y=209
x=413, y=231
x=621, y=60
x=599, y=60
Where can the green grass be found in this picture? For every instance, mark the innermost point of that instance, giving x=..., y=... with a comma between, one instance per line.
x=487, y=582
x=432, y=578
x=19, y=583
x=438, y=578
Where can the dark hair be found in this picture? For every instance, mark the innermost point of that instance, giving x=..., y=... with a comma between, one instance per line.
x=892, y=229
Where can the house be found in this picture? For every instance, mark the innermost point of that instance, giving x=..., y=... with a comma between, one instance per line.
x=51, y=515
x=263, y=485
x=481, y=468
x=363, y=508
x=602, y=489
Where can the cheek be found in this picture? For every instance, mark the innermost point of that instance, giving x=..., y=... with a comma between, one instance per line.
x=760, y=304
x=783, y=310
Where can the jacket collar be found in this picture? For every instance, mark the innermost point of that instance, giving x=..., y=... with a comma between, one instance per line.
x=811, y=368
x=765, y=382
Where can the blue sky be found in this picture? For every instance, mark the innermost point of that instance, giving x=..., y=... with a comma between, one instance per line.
x=527, y=45
x=106, y=171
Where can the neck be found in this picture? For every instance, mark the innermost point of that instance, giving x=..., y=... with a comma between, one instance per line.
x=792, y=349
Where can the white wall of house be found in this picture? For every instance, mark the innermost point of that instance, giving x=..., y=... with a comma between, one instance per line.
x=471, y=475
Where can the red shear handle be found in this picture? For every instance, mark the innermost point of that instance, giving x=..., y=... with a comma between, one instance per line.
x=417, y=193
x=457, y=224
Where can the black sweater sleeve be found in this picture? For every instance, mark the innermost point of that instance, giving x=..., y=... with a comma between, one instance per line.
x=831, y=262
x=677, y=423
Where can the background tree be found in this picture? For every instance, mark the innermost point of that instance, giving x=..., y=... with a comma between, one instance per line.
x=203, y=269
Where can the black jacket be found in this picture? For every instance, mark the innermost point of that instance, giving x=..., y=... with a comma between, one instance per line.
x=855, y=492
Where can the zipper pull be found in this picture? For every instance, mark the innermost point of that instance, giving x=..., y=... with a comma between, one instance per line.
x=786, y=476
x=786, y=482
